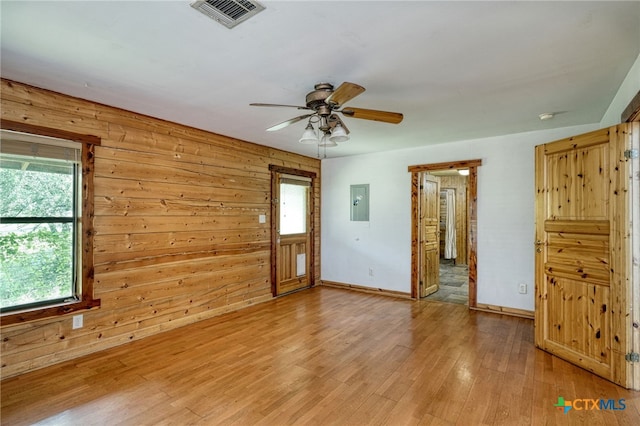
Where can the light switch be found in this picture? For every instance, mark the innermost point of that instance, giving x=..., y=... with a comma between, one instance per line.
x=262, y=218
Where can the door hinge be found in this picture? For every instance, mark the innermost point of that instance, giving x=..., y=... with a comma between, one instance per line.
x=632, y=357
x=631, y=154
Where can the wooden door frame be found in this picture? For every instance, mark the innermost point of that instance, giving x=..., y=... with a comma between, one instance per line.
x=634, y=203
x=472, y=221
x=631, y=115
x=275, y=170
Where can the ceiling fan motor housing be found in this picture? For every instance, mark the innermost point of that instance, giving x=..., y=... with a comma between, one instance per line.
x=316, y=99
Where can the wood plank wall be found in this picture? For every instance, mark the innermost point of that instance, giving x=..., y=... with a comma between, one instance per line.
x=177, y=236
x=459, y=184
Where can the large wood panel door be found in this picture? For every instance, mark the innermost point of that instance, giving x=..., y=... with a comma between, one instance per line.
x=292, y=233
x=583, y=263
x=430, y=235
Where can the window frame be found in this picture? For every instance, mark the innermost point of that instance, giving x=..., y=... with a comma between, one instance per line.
x=85, y=296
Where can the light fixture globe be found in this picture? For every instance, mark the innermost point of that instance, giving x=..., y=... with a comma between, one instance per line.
x=338, y=134
x=327, y=142
x=309, y=136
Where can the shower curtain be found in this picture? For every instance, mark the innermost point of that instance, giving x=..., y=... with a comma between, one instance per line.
x=450, y=251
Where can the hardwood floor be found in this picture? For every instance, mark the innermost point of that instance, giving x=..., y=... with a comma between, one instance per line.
x=322, y=356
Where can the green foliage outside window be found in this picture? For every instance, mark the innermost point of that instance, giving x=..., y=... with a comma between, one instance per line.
x=36, y=258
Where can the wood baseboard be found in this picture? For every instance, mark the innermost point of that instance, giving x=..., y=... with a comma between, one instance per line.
x=482, y=307
x=363, y=289
x=522, y=313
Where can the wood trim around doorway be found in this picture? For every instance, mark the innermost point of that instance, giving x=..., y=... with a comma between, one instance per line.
x=472, y=226
x=632, y=111
x=275, y=169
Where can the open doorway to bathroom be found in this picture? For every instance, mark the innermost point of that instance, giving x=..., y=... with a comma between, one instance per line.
x=456, y=198
x=453, y=236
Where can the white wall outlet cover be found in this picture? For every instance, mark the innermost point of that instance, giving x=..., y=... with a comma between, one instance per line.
x=78, y=321
x=262, y=218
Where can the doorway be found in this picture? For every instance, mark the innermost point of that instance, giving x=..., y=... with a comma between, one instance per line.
x=453, y=218
x=420, y=268
x=292, y=242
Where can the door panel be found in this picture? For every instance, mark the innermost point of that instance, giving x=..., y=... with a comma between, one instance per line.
x=581, y=252
x=292, y=264
x=430, y=235
x=292, y=233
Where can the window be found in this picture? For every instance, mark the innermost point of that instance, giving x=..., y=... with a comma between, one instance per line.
x=293, y=206
x=42, y=266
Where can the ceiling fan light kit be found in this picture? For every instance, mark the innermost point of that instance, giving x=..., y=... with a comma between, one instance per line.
x=309, y=135
x=327, y=142
x=325, y=102
x=338, y=134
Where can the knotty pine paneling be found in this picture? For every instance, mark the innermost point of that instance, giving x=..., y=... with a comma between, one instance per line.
x=177, y=237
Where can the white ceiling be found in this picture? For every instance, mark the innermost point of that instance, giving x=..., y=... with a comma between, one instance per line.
x=457, y=70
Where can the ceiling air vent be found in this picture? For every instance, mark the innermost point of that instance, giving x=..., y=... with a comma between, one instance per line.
x=228, y=12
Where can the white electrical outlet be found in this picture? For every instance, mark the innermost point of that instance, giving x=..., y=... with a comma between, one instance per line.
x=522, y=288
x=262, y=218
x=78, y=321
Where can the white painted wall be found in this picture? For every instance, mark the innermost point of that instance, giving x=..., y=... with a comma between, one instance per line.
x=628, y=89
x=505, y=209
x=505, y=215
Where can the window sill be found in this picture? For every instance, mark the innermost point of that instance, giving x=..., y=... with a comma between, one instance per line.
x=20, y=317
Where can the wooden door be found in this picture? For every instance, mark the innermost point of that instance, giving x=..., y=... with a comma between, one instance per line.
x=292, y=233
x=430, y=235
x=582, y=257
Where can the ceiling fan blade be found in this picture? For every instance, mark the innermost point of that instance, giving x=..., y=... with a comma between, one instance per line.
x=372, y=114
x=288, y=122
x=278, y=105
x=344, y=93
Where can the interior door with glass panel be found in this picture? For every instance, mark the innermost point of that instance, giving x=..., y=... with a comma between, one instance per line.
x=292, y=233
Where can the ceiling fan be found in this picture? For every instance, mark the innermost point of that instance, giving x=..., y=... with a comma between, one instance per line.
x=325, y=102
